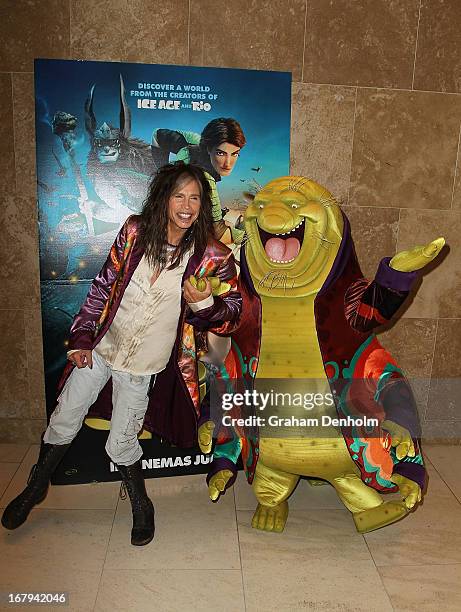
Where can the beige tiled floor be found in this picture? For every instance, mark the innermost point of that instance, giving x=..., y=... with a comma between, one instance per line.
x=206, y=557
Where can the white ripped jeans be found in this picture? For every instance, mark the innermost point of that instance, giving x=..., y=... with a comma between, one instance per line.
x=129, y=405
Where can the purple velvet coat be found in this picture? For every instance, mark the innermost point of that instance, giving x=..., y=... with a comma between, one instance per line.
x=174, y=405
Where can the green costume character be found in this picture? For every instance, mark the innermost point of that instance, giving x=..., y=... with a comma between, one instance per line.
x=309, y=314
x=215, y=150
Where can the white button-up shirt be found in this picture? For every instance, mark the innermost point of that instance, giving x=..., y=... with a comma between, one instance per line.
x=141, y=336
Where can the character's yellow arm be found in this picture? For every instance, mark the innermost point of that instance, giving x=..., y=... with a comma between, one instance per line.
x=205, y=437
x=409, y=490
x=217, y=484
x=417, y=258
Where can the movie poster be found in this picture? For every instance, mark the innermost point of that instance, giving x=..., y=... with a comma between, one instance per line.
x=102, y=130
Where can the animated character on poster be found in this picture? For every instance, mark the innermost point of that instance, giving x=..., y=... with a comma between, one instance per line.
x=114, y=183
x=305, y=292
x=215, y=150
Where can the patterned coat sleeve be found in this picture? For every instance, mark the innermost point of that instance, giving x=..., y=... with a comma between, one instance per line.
x=86, y=320
x=371, y=304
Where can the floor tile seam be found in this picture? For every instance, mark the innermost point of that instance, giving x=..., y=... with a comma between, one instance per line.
x=390, y=564
x=105, y=556
x=26, y=452
x=45, y=509
x=37, y=509
x=378, y=572
x=15, y=471
x=172, y=569
x=458, y=499
x=416, y=565
x=282, y=565
x=8, y=484
x=427, y=458
x=240, y=551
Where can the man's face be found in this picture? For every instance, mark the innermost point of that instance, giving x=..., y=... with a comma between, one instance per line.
x=183, y=210
x=223, y=158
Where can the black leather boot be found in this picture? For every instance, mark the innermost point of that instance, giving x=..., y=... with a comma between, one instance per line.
x=38, y=482
x=141, y=506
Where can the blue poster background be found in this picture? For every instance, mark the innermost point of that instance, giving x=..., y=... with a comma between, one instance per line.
x=79, y=216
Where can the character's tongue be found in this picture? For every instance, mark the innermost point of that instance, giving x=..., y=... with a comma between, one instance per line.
x=281, y=250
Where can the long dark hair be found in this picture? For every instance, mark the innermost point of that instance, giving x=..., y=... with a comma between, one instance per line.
x=154, y=214
x=222, y=129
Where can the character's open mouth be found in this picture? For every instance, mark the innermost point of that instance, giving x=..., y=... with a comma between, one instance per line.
x=283, y=247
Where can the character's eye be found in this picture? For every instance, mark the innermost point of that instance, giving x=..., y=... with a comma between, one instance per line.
x=294, y=206
x=261, y=206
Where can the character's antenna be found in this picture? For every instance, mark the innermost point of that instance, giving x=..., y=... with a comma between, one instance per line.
x=125, y=113
x=90, y=119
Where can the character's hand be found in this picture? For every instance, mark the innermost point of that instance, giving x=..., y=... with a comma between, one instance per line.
x=197, y=293
x=82, y=358
x=401, y=439
x=409, y=490
x=217, y=286
x=417, y=258
x=217, y=483
x=183, y=155
x=205, y=436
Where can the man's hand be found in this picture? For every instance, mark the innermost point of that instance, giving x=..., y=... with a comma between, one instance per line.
x=196, y=294
x=218, y=482
x=401, y=439
x=409, y=490
x=205, y=436
x=82, y=358
x=417, y=258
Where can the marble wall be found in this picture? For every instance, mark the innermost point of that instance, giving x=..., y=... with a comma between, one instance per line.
x=376, y=112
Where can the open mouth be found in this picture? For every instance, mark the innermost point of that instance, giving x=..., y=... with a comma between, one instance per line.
x=283, y=247
x=185, y=216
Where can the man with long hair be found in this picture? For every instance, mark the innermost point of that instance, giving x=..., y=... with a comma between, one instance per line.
x=136, y=330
